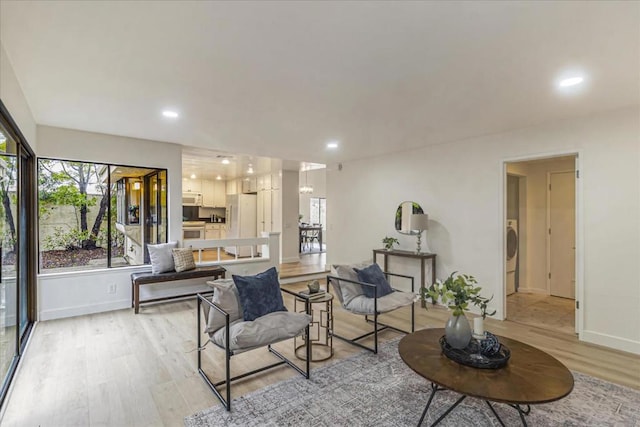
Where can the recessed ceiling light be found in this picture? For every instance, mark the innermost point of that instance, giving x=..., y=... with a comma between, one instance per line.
x=218, y=177
x=571, y=81
x=225, y=161
x=170, y=114
x=193, y=176
x=332, y=144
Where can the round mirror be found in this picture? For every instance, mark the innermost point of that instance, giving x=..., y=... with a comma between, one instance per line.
x=403, y=217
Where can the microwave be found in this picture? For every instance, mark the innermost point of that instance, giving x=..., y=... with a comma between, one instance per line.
x=191, y=199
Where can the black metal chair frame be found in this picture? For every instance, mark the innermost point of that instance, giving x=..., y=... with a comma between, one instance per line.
x=226, y=401
x=377, y=326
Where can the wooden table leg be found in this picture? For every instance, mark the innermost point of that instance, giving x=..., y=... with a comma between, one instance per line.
x=136, y=298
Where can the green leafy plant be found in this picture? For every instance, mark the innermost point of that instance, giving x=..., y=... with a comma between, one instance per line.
x=457, y=292
x=389, y=242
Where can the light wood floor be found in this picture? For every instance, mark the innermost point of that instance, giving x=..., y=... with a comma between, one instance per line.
x=121, y=369
x=543, y=311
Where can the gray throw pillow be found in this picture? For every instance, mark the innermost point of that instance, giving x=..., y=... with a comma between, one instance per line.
x=226, y=296
x=259, y=294
x=161, y=257
x=183, y=259
x=349, y=290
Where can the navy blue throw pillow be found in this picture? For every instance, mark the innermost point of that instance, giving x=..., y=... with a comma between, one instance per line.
x=259, y=294
x=374, y=275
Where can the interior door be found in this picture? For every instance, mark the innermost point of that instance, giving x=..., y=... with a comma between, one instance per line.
x=562, y=236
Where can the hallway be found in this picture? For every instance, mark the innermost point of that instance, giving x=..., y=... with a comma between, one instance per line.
x=542, y=311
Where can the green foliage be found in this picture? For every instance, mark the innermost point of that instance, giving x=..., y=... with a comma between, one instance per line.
x=457, y=292
x=69, y=239
x=389, y=242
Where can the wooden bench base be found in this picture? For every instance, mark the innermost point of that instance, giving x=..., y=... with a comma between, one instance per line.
x=145, y=278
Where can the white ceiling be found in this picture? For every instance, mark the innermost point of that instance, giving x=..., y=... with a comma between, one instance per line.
x=279, y=79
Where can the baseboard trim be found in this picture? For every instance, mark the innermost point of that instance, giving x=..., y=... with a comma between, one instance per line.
x=60, y=313
x=532, y=291
x=611, y=341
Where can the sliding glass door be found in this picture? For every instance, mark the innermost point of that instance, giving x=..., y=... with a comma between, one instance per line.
x=8, y=251
x=17, y=247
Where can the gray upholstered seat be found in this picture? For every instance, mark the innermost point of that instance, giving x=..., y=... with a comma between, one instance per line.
x=351, y=294
x=226, y=328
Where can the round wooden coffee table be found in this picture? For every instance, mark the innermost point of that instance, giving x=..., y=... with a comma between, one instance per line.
x=531, y=376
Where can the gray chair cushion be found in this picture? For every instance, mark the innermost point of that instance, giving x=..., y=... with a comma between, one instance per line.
x=397, y=299
x=348, y=290
x=226, y=296
x=268, y=329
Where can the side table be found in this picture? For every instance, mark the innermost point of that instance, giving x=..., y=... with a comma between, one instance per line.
x=321, y=339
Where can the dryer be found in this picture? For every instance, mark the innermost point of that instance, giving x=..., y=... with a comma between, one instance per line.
x=512, y=254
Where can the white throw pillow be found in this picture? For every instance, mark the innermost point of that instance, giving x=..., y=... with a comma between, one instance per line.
x=161, y=257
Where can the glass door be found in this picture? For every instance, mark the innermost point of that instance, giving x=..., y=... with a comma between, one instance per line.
x=18, y=249
x=9, y=196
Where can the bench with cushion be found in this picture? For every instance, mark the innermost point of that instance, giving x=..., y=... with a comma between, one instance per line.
x=147, y=278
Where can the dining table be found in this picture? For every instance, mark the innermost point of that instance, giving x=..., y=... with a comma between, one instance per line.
x=306, y=230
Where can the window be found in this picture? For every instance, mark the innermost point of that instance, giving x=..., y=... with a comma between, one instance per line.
x=318, y=210
x=94, y=215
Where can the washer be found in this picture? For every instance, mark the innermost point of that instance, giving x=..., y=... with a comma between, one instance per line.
x=512, y=254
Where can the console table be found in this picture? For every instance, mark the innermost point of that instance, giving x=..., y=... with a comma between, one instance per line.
x=423, y=257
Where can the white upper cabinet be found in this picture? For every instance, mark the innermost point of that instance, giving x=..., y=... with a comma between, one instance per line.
x=207, y=193
x=191, y=186
x=232, y=187
x=250, y=185
x=213, y=194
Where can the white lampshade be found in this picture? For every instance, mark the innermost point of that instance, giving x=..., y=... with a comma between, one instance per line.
x=419, y=222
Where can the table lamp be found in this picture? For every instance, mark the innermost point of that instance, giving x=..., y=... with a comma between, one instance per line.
x=419, y=222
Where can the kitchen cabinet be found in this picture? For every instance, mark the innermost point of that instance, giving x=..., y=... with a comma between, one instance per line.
x=207, y=194
x=250, y=185
x=219, y=194
x=191, y=186
x=232, y=187
x=213, y=231
x=269, y=215
x=213, y=194
x=276, y=178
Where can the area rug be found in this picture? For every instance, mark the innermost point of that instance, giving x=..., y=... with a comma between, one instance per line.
x=380, y=390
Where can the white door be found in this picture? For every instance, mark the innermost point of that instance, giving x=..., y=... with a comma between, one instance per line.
x=562, y=238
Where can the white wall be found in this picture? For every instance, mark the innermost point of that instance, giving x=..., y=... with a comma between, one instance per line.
x=87, y=292
x=77, y=293
x=14, y=100
x=460, y=185
x=290, y=206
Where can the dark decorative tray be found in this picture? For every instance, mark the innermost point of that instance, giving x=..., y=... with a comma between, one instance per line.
x=471, y=355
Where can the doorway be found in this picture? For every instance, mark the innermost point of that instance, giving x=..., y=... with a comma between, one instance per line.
x=540, y=248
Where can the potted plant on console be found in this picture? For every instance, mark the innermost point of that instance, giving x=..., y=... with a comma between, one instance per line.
x=389, y=242
x=457, y=292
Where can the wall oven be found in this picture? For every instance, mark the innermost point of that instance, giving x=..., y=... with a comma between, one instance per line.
x=193, y=230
